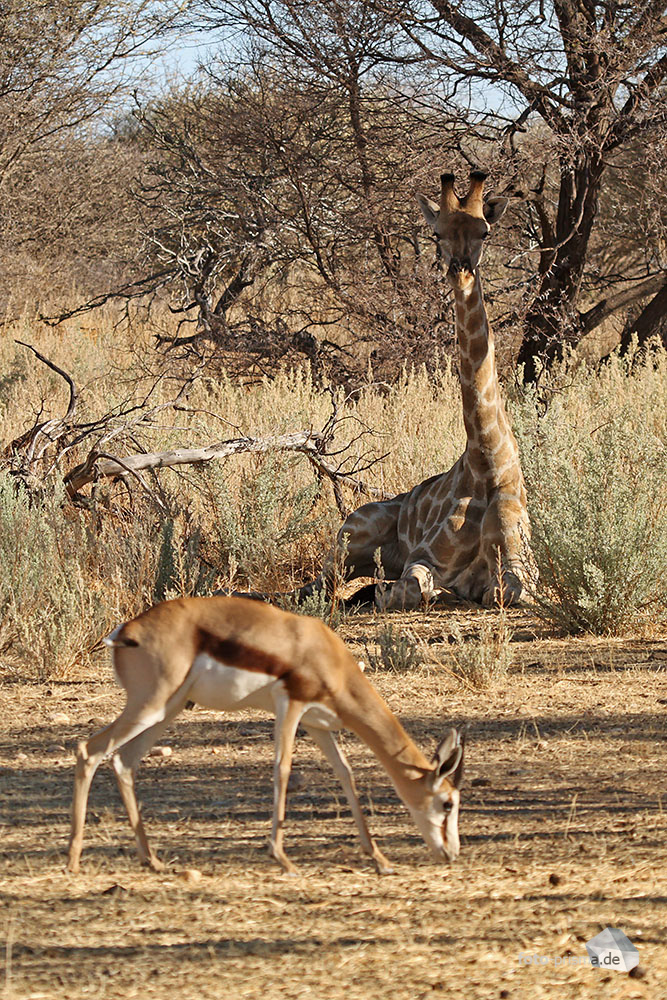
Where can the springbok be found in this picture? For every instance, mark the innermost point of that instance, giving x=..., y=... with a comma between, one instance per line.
x=228, y=653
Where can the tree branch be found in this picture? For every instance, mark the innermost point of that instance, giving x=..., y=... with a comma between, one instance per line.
x=612, y=303
x=309, y=443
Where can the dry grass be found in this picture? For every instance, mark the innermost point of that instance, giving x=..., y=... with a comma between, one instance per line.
x=263, y=522
x=563, y=833
x=563, y=826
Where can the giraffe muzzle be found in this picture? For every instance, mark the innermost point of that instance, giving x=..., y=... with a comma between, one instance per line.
x=459, y=267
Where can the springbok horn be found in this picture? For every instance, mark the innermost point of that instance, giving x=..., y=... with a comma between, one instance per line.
x=474, y=200
x=449, y=202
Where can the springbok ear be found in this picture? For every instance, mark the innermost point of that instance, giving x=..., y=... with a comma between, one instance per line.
x=448, y=759
x=430, y=210
x=494, y=209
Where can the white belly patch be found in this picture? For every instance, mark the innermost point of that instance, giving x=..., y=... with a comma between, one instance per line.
x=225, y=689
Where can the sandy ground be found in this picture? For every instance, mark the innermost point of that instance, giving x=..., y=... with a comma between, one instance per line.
x=563, y=833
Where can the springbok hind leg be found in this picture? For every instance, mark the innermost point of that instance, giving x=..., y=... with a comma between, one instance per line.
x=88, y=758
x=333, y=753
x=129, y=725
x=125, y=764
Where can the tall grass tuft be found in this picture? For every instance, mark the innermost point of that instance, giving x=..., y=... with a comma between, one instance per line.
x=65, y=579
x=482, y=660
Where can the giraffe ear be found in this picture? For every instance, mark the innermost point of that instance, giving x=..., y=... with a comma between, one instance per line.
x=430, y=210
x=494, y=209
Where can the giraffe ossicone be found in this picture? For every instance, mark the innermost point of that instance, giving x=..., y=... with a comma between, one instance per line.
x=465, y=531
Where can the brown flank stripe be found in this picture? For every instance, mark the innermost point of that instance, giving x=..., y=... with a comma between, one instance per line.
x=236, y=654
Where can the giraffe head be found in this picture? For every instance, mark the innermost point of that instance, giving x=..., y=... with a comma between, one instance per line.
x=462, y=225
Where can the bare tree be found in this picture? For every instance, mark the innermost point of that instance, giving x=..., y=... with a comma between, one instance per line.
x=64, y=68
x=585, y=75
x=279, y=200
x=277, y=206
x=68, y=220
x=592, y=71
x=61, y=64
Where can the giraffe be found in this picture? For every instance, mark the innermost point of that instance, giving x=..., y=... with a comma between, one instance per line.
x=460, y=530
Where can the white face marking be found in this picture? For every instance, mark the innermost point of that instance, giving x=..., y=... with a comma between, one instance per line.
x=439, y=825
x=218, y=686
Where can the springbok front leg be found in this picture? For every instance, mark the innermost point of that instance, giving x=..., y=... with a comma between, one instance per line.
x=328, y=744
x=288, y=716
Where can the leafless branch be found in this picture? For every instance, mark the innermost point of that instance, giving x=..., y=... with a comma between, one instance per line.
x=99, y=465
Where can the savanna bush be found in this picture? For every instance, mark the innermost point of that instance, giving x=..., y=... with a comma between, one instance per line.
x=595, y=462
x=65, y=579
x=398, y=651
x=315, y=605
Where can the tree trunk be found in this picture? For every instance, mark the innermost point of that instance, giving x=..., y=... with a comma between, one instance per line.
x=651, y=320
x=553, y=320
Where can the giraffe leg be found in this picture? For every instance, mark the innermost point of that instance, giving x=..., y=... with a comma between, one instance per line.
x=372, y=526
x=333, y=753
x=504, y=552
x=416, y=585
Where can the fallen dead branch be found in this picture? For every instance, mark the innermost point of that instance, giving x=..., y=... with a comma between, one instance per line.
x=98, y=466
x=37, y=452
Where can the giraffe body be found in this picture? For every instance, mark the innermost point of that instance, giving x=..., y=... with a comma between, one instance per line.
x=466, y=530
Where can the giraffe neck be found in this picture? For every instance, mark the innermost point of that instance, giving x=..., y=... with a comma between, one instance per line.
x=491, y=446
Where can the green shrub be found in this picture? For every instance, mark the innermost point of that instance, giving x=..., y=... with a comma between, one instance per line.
x=42, y=584
x=256, y=527
x=597, y=493
x=180, y=571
